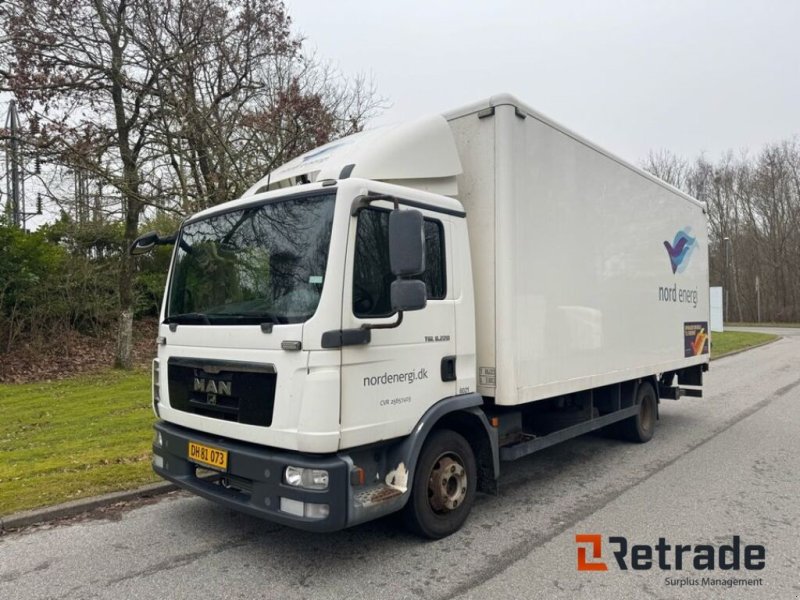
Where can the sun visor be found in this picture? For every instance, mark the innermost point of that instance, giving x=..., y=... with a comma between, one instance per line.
x=420, y=154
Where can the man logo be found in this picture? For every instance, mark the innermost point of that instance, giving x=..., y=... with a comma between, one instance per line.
x=597, y=552
x=211, y=386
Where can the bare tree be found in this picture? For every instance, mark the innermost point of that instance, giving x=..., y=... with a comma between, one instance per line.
x=667, y=166
x=241, y=98
x=754, y=225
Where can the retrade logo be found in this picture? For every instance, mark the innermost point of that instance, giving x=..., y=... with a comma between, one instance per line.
x=680, y=249
x=595, y=541
x=667, y=556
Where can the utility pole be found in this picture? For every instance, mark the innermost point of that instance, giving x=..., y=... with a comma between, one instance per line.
x=726, y=241
x=15, y=172
x=15, y=184
x=736, y=284
x=758, y=301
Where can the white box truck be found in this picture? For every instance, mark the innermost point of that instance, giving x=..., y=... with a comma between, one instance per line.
x=380, y=323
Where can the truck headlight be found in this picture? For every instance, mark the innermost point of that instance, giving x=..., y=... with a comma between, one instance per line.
x=310, y=479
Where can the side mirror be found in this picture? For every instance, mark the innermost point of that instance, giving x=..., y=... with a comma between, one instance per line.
x=406, y=243
x=144, y=243
x=408, y=294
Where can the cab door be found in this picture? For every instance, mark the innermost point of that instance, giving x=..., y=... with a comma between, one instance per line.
x=389, y=383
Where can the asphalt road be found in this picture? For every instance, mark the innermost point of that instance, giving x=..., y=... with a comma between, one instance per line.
x=720, y=466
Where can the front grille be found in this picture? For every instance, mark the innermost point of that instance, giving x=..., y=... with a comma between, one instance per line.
x=229, y=390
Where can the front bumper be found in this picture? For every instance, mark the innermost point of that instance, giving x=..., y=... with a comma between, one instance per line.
x=255, y=478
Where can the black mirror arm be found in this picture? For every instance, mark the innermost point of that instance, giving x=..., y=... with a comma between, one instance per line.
x=385, y=325
x=171, y=239
x=362, y=202
x=160, y=241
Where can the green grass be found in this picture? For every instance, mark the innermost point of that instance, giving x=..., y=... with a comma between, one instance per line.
x=729, y=341
x=762, y=324
x=74, y=438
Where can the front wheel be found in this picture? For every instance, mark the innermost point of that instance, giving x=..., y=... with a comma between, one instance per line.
x=444, y=486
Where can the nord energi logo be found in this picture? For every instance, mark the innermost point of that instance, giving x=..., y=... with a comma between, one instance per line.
x=680, y=250
x=666, y=556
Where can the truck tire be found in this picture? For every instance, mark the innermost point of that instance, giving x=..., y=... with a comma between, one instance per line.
x=444, y=486
x=640, y=428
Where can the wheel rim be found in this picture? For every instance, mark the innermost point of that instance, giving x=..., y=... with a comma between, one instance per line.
x=447, y=484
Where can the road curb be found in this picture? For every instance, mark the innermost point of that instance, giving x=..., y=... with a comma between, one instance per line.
x=734, y=352
x=83, y=505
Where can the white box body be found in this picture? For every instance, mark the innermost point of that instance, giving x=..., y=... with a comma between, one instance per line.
x=575, y=287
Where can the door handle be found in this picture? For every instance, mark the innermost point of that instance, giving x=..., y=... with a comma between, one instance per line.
x=449, y=368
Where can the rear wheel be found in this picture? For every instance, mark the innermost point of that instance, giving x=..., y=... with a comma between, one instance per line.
x=444, y=486
x=640, y=427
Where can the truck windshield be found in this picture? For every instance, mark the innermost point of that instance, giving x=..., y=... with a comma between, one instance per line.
x=259, y=264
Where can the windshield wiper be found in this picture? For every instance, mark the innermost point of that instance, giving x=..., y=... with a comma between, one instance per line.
x=188, y=318
x=266, y=320
x=256, y=316
x=263, y=319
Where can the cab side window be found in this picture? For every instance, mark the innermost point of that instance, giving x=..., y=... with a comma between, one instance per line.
x=372, y=276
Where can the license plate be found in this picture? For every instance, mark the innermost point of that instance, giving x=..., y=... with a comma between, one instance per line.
x=213, y=457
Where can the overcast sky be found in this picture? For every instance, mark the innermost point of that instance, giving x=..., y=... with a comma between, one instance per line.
x=688, y=76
